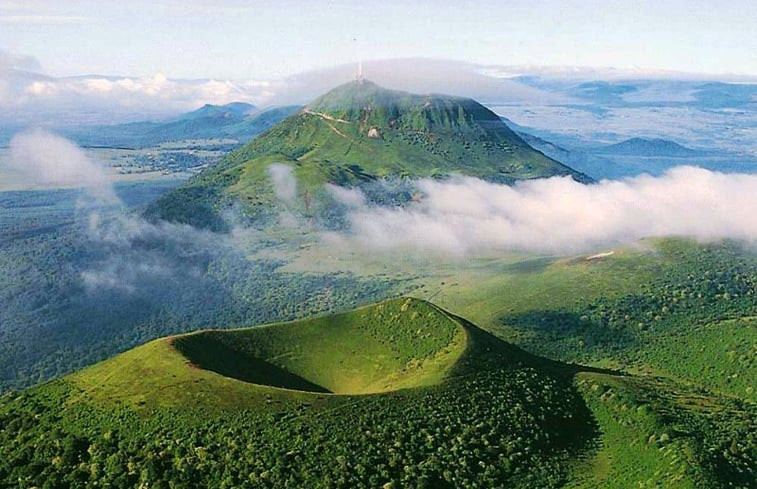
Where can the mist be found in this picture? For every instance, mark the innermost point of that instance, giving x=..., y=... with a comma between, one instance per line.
x=465, y=217
x=351, y=197
x=134, y=256
x=48, y=160
x=284, y=181
x=125, y=253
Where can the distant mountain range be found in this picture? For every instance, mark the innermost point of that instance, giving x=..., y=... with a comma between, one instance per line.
x=648, y=147
x=635, y=156
x=236, y=121
x=597, y=167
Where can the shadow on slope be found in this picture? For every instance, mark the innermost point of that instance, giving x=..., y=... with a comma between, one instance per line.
x=207, y=352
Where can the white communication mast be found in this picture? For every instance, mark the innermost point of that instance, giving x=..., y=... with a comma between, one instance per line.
x=359, y=75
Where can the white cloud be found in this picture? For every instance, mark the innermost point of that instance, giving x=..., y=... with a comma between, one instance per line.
x=467, y=216
x=100, y=85
x=43, y=19
x=41, y=88
x=284, y=181
x=50, y=160
x=183, y=94
x=29, y=97
x=140, y=256
x=351, y=197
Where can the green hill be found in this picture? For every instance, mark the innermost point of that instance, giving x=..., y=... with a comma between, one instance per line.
x=389, y=346
x=397, y=394
x=649, y=147
x=354, y=134
x=397, y=344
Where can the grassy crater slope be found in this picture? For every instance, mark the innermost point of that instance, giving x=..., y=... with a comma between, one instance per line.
x=354, y=134
x=374, y=349
x=396, y=344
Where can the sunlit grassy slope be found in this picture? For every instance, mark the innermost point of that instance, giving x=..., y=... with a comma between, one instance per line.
x=396, y=344
x=658, y=433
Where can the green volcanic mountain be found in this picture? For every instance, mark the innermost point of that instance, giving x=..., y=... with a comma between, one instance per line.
x=395, y=394
x=380, y=348
x=354, y=134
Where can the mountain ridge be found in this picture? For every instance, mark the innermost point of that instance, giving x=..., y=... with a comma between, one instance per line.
x=237, y=121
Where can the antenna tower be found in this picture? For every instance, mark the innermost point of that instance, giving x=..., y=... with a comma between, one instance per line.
x=359, y=76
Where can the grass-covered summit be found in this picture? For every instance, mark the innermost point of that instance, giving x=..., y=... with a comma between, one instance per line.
x=354, y=134
x=397, y=394
x=392, y=345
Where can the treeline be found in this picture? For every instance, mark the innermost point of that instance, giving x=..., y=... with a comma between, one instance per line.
x=504, y=428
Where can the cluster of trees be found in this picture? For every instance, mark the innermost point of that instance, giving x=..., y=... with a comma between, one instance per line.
x=662, y=433
x=502, y=428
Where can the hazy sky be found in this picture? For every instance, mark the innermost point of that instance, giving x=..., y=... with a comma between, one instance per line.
x=263, y=39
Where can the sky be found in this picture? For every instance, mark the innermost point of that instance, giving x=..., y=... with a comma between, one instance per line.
x=231, y=39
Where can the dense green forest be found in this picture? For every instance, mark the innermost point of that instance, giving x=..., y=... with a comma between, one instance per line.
x=480, y=432
x=72, y=295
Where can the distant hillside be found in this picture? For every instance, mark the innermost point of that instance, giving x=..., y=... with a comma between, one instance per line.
x=357, y=133
x=238, y=121
x=228, y=111
x=631, y=157
x=649, y=147
x=594, y=165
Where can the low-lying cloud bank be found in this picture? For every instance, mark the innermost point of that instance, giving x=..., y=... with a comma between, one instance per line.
x=29, y=96
x=468, y=216
x=460, y=217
